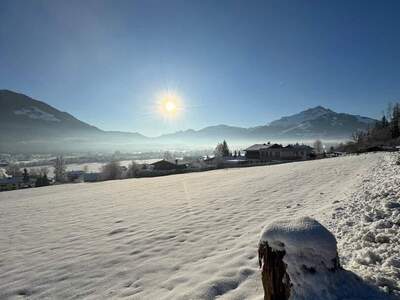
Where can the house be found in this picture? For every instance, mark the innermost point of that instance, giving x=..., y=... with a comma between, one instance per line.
x=276, y=152
x=11, y=183
x=3, y=163
x=75, y=176
x=91, y=177
x=381, y=148
x=257, y=152
x=165, y=165
x=297, y=152
x=209, y=160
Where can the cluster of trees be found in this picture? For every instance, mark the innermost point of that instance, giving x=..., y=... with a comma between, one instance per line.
x=222, y=150
x=384, y=132
x=41, y=177
x=109, y=171
x=113, y=170
x=36, y=175
x=13, y=170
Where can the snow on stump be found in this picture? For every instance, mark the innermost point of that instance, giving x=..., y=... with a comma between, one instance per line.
x=298, y=259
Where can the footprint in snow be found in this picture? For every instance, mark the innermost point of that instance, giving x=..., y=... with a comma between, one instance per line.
x=118, y=230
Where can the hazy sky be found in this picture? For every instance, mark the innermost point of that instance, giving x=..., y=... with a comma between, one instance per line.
x=241, y=63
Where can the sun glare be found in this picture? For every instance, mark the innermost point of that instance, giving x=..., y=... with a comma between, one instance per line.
x=169, y=105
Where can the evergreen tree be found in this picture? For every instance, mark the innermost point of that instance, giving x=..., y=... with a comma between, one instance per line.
x=222, y=150
x=45, y=180
x=384, y=122
x=42, y=180
x=225, y=149
x=395, y=122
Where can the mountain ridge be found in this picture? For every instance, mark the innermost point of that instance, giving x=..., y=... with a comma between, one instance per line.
x=305, y=123
x=34, y=123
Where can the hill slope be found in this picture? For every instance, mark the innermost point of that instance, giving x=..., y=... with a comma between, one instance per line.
x=178, y=237
x=32, y=124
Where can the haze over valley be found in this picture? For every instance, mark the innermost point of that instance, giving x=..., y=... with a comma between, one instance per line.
x=29, y=125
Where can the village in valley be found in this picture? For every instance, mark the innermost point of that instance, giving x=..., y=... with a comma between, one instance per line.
x=14, y=175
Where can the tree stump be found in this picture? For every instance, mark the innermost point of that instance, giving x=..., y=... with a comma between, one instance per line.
x=298, y=258
x=275, y=280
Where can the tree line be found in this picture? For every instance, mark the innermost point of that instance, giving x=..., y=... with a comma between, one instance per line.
x=385, y=132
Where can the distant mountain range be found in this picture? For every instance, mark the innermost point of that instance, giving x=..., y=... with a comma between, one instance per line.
x=28, y=125
x=317, y=122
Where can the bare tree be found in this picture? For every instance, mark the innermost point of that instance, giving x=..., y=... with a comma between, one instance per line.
x=13, y=170
x=60, y=169
x=133, y=169
x=168, y=156
x=43, y=171
x=111, y=171
x=34, y=172
x=318, y=147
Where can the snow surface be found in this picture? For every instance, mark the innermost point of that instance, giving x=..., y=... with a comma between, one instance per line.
x=302, y=117
x=302, y=237
x=367, y=226
x=189, y=236
x=36, y=114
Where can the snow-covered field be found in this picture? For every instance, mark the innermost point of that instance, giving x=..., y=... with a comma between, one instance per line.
x=367, y=226
x=192, y=236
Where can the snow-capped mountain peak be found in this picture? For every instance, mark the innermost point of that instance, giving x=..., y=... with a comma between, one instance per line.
x=304, y=116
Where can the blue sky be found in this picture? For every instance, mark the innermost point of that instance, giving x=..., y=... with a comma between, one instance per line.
x=242, y=63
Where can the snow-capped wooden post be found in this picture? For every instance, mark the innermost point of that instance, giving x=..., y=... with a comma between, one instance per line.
x=275, y=280
x=295, y=257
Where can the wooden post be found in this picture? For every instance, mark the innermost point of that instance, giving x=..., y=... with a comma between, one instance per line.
x=275, y=280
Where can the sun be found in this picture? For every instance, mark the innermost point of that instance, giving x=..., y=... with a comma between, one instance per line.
x=169, y=105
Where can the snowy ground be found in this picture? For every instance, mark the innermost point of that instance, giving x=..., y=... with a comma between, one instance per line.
x=367, y=226
x=189, y=236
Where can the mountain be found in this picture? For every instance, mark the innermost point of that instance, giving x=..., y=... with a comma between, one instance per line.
x=29, y=125
x=317, y=122
x=20, y=113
